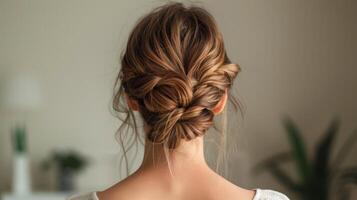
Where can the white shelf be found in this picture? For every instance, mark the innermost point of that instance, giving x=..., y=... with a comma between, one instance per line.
x=36, y=196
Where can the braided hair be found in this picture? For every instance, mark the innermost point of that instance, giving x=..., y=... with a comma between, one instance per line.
x=176, y=67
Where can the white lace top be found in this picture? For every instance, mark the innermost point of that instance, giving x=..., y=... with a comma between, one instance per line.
x=269, y=195
x=259, y=195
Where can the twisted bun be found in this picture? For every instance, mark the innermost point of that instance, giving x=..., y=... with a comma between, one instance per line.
x=175, y=66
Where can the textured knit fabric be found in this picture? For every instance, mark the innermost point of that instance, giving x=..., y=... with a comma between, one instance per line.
x=269, y=195
x=259, y=195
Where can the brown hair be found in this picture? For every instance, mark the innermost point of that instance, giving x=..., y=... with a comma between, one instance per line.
x=176, y=67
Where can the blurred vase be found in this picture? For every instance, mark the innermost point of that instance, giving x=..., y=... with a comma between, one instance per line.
x=65, y=179
x=20, y=95
x=21, y=177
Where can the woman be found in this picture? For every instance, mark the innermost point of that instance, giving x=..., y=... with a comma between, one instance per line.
x=176, y=74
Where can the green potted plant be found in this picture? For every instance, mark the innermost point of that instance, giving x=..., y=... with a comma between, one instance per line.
x=67, y=164
x=319, y=176
x=21, y=175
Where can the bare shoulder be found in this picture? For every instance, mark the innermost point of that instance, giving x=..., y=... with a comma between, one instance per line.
x=269, y=195
x=126, y=189
x=230, y=191
x=121, y=190
x=244, y=193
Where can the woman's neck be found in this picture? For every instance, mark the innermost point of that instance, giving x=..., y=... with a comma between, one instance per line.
x=189, y=155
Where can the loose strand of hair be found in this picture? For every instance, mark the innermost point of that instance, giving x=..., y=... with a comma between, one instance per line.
x=221, y=157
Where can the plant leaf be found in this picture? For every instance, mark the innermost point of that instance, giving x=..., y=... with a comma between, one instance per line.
x=298, y=149
x=345, y=149
x=19, y=138
x=323, y=152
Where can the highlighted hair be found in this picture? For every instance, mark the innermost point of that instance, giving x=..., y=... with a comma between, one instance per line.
x=176, y=67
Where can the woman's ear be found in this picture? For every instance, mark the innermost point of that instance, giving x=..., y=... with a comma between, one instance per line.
x=133, y=104
x=220, y=105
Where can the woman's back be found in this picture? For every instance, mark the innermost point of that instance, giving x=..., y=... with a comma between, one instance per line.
x=259, y=195
x=192, y=187
x=195, y=181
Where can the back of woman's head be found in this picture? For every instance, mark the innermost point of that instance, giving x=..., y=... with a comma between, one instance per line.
x=176, y=68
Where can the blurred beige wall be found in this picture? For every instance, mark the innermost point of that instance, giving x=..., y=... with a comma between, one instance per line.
x=298, y=58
